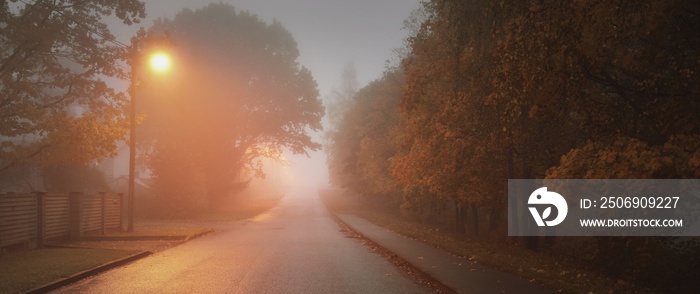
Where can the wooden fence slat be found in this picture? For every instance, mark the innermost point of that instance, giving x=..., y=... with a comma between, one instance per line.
x=19, y=218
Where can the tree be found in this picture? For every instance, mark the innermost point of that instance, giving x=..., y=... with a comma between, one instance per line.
x=241, y=95
x=377, y=108
x=556, y=89
x=362, y=146
x=339, y=101
x=617, y=80
x=55, y=107
x=451, y=155
x=72, y=178
x=612, y=68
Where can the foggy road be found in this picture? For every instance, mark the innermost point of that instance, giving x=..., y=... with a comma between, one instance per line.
x=294, y=248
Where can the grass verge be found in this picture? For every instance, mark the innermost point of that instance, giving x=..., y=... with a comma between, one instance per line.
x=539, y=268
x=24, y=270
x=159, y=231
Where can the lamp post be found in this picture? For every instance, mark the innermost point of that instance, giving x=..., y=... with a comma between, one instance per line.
x=160, y=62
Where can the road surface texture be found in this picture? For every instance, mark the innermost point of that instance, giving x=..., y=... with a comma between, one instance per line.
x=295, y=247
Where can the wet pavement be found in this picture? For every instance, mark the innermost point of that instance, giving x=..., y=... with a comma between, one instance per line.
x=294, y=248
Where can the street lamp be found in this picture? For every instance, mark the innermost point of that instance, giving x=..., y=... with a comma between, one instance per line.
x=160, y=62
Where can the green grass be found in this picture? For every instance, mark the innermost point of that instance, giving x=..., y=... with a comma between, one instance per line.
x=24, y=270
x=540, y=268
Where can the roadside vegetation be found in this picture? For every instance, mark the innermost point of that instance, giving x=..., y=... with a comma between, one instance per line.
x=489, y=91
x=236, y=100
x=24, y=270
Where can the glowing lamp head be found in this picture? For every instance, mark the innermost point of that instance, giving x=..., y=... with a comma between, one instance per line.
x=160, y=62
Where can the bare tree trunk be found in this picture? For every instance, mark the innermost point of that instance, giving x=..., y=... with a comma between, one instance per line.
x=495, y=216
x=475, y=219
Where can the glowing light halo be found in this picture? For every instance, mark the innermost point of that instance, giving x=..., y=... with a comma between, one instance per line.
x=160, y=61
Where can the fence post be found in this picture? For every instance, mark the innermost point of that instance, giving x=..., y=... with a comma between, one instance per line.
x=104, y=213
x=76, y=215
x=40, y=221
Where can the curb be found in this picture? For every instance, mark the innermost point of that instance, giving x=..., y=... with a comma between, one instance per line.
x=200, y=234
x=91, y=272
x=112, y=264
x=442, y=287
x=146, y=238
x=131, y=238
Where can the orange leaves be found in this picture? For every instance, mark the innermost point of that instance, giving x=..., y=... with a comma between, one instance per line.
x=503, y=90
x=607, y=156
x=629, y=158
x=56, y=106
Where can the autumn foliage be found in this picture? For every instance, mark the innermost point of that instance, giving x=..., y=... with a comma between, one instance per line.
x=544, y=89
x=56, y=107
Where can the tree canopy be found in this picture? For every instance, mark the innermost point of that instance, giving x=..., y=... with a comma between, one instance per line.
x=55, y=106
x=493, y=91
x=239, y=95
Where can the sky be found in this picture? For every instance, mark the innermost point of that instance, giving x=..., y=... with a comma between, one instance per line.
x=329, y=34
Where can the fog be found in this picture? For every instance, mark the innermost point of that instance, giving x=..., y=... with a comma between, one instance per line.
x=329, y=34
x=486, y=149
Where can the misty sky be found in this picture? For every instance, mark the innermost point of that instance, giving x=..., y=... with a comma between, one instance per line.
x=329, y=34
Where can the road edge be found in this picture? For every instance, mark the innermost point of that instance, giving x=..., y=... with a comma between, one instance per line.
x=88, y=273
x=109, y=265
x=393, y=257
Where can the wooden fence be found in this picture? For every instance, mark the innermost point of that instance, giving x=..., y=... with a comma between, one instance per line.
x=31, y=219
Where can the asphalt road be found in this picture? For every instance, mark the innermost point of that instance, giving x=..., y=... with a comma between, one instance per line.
x=294, y=248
